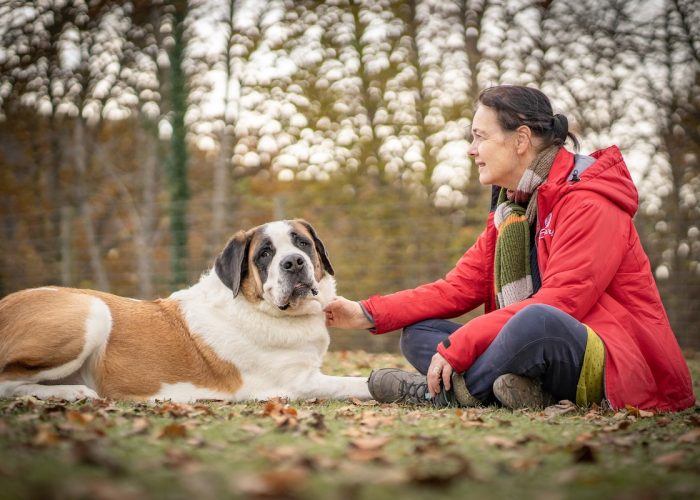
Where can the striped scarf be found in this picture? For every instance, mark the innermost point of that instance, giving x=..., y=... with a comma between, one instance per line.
x=515, y=212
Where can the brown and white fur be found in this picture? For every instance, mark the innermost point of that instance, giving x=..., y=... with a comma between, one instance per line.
x=252, y=328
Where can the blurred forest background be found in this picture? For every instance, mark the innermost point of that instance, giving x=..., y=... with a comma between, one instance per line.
x=136, y=136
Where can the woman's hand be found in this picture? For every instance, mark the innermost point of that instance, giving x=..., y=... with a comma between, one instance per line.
x=439, y=370
x=344, y=313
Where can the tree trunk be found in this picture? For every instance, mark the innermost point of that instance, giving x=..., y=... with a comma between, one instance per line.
x=97, y=267
x=177, y=171
x=147, y=221
x=66, y=245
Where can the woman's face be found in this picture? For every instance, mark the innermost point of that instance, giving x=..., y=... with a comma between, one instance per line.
x=494, y=150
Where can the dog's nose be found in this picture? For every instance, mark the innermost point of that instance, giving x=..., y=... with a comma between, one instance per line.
x=293, y=263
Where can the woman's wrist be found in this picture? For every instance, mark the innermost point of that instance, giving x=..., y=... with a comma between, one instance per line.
x=367, y=315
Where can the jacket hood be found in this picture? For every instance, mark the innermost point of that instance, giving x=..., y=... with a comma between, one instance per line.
x=603, y=172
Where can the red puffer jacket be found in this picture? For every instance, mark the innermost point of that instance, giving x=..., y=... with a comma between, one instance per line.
x=592, y=267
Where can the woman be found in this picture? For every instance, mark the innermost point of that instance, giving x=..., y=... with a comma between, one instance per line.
x=572, y=310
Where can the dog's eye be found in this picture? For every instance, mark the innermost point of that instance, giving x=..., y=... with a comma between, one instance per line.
x=303, y=243
x=265, y=254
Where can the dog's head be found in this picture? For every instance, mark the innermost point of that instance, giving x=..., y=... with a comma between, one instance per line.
x=282, y=264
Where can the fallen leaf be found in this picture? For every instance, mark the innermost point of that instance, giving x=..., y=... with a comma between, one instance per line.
x=584, y=437
x=638, y=413
x=672, y=460
x=79, y=418
x=177, y=458
x=561, y=408
x=24, y=403
x=173, y=431
x=500, y=442
x=619, y=425
x=624, y=441
x=317, y=422
x=440, y=474
x=94, y=453
x=522, y=464
x=253, y=429
x=346, y=412
x=358, y=402
x=181, y=409
x=370, y=442
x=690, y=437
x=663, y=421
x=374, y=421
x=502, y=422
x=140, y=425
x=45, y=436
x=360, y=455
x=271, y=483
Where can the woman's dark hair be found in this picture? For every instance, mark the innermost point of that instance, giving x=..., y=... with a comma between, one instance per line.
x=517, y=105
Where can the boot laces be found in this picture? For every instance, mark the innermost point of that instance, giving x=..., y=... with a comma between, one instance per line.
x=413, y=390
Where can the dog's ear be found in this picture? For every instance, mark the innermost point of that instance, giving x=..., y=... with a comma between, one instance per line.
x=232, y=263
x=320, y=249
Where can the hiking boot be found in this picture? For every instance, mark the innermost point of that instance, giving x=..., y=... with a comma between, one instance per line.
x=516, y=391
x=462, y=394
x=391, y=385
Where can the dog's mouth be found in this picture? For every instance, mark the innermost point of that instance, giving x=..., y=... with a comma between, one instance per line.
x=299, y=291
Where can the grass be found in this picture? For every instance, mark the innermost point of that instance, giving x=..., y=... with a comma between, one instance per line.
x=343, y=450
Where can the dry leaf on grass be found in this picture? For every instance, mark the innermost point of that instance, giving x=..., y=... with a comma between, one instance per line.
x=140, y=425
x=617, y=426
x=359, y=455
x=94, y=453
x=79, y=418
x=636, y=412
x=271, y=483
x=358, y=402
x=252, y=429
x=370, y=442
x=177, y=458
x=368, y=448
x=522, y=464
x=173, y=431
x=181, y=409
x=452, y=467
x=561, y=408
x=372, y=421
x=45, y=436
x=690, y=437
x=663, y=421
x=285, y=416
x=672, y=460
x=500, y=442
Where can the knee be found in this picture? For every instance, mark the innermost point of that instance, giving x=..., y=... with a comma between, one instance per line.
x=536, y=312
x=532, y=319
x=541, y=320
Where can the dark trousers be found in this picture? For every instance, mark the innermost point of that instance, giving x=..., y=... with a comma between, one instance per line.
x=539, y=342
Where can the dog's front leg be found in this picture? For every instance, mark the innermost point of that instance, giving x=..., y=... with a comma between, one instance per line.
x=332, y=387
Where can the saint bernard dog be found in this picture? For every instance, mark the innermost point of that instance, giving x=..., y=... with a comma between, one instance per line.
x=253, y=327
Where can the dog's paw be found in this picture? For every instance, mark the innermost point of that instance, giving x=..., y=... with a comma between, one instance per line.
x=65, y=392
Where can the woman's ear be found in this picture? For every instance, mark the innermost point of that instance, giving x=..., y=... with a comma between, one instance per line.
x=523, y=139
